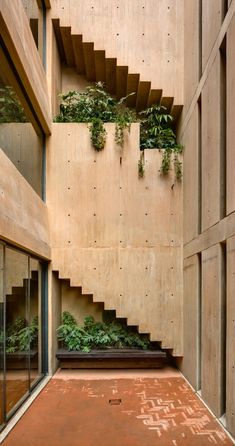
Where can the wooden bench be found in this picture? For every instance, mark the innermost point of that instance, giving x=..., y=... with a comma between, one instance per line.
x=112, y=359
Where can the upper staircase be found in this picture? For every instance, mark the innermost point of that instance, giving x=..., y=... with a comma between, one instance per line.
x=94, y=64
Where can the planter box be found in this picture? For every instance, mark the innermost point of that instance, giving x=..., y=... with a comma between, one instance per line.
x=112, y=359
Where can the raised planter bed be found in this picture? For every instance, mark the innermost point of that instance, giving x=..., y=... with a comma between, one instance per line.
x=112, y=359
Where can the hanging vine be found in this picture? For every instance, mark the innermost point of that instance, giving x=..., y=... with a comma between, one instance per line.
x=96, y=107
x=156, y=132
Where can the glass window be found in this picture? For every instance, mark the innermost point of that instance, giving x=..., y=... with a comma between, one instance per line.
x=17, y=333
x=20, y=328
x=35, y=321
x=1, y=338
x=18, y=138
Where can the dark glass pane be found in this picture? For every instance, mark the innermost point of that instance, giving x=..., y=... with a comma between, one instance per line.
x=18, y=138
x=1, y=337
x=35, y=321
x=17, y=333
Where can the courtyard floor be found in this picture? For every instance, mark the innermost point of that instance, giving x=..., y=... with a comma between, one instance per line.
x=117, y=408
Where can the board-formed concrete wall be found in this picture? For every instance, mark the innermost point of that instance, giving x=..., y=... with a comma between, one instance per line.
x=209, y=217
x=23, y=215
x=24, y=148
x=114, y=234
x=145, y=35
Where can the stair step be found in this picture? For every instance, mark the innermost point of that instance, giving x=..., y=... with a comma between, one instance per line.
x=132, y=87
x=14, y=297
x=20, y=290
x=100, y=65
x=56, y=26
x=78, y=53
x=154, y=97
x=121, y=81
x=176, y=111
x=167, y=102
x=67, y=44
x=89, y=59
x=110, y=70
x=143, y=95
x=34, y=275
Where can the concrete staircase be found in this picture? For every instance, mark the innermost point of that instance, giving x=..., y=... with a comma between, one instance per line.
x=94, y=64
x=113, y=306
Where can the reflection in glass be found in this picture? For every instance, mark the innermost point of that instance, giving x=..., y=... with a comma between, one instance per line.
x=1, y=337
x=18, y=138
x=17, y=333
x=35, y=322
x=20, y=328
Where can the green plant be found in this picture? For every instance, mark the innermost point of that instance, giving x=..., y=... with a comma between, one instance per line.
x=97, y=335
x=98, y=134
x=28, y=336
x=156, y=132
x=95, y=106
x=20, y=336
x=141, y=165
x=10, y=107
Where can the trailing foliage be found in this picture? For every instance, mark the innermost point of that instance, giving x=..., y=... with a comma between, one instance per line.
x=95, y=106
x=97, y=335
x=10, y=107
x=156, y=132
x=98, y=134
x=141, y=165
x=20, y=336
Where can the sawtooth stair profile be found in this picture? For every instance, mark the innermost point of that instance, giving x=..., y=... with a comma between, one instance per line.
x=93, y=63
x=107, y=305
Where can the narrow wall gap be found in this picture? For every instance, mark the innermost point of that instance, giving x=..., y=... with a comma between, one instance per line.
x=199, y=321
x=223, y=324
x=199, y=165
x=33, y=23
x=199, y=40
x=224, y=9
x=223, y=119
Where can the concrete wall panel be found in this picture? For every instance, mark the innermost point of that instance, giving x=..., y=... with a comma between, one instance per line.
x=230, y=115
x=191, y=310
x=191, y=179
x=211, y=148
x=118, y=236
x=212, y=16
x=230, y=357
x=212, y=329
x=23, y=215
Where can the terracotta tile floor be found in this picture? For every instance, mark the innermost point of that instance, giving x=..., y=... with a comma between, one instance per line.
x=117, y=409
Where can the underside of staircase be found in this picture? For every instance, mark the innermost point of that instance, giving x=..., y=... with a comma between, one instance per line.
x=92, y=63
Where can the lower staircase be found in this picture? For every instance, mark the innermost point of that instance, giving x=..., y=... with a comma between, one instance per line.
x=109, y=357
x=120, y=314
